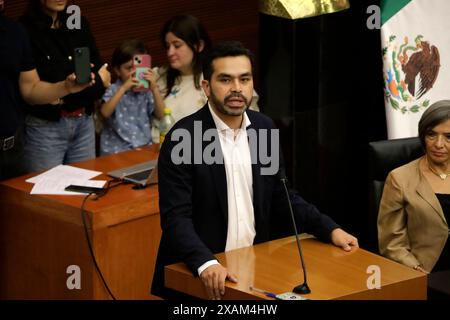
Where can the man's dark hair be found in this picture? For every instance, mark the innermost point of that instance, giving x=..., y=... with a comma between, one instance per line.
x=222, y=50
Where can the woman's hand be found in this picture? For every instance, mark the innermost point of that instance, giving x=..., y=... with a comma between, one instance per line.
x=421, y=269
x=72, y=86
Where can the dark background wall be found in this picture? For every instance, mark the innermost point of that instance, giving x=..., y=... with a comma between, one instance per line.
x=319, y=78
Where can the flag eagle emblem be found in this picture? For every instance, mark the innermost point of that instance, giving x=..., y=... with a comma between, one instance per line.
x=411, y=73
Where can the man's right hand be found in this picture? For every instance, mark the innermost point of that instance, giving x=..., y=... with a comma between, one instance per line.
x=213, y=279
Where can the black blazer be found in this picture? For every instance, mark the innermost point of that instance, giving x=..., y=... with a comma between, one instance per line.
x=193, y=204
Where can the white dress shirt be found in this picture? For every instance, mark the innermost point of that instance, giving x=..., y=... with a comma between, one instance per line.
x=238, y=168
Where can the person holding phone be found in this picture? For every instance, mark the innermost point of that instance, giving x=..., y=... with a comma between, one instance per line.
x=186, y=42
x=128, y=104
x=62, y=131
x=20, y=80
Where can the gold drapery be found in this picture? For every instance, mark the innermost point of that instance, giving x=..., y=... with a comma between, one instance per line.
x=297, y=9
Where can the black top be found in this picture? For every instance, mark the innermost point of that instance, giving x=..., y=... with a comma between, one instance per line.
x=53, y=52
x=15, y=57
x=444, y=259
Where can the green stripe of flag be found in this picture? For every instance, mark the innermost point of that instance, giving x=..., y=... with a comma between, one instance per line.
x=390, y=7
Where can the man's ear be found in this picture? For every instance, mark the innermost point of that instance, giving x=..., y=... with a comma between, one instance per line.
x=206, y=88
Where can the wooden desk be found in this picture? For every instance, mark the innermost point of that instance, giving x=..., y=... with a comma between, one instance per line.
x=41, y=235
x=332, y=273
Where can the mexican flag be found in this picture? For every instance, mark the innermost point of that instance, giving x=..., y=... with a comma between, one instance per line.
x=415, y=37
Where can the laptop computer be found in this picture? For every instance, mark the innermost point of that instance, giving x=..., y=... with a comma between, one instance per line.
x=142, y=174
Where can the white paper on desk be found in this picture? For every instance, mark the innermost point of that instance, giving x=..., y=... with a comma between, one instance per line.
x=57, y=186
x=62, y=172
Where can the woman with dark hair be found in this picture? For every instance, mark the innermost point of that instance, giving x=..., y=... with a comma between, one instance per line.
x=63, y=131
x=415, y=206
x=186, y=41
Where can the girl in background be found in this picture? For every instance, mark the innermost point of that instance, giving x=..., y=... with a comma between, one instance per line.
x=128, y=113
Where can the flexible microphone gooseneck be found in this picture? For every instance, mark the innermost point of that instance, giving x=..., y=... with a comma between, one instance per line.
x=302, y=288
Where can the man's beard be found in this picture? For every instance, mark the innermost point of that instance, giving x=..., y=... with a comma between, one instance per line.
x=223, y=108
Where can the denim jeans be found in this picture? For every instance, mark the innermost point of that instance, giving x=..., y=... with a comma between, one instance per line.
x=51, y=143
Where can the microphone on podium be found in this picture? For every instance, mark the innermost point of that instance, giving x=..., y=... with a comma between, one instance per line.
x=301, y=288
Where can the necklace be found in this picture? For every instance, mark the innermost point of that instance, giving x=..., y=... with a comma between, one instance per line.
x=443, y=176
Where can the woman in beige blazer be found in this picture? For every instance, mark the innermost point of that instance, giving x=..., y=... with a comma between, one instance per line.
x=415, y=206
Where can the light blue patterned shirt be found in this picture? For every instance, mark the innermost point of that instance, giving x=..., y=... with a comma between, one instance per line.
x=128, y=127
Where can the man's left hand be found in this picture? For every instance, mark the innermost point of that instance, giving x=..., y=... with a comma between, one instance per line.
x=342, y=239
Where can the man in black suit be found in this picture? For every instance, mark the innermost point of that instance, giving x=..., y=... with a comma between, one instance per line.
x=217, y=190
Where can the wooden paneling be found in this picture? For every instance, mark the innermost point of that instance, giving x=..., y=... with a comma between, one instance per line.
x=115, y=20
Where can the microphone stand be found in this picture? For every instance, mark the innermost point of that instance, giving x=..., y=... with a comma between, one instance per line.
x=302, y=288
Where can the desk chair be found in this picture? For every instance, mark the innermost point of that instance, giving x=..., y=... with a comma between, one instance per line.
x=384, y=156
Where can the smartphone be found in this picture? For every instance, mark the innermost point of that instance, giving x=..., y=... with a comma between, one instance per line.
x=82, y=62
x=141, y=63
x=84, y=189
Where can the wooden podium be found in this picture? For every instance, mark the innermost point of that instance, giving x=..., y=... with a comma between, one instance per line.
x=332, y=273
x=42, y=235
